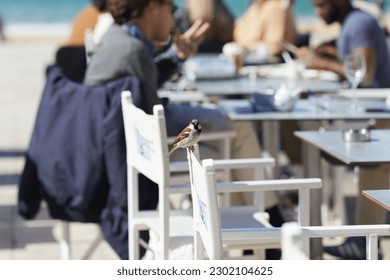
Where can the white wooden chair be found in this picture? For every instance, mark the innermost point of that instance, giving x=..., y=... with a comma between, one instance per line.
x=147, y=145
x=216, y=230
x=212, y=234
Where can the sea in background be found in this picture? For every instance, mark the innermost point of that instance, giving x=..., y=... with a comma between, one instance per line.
x=55, y=16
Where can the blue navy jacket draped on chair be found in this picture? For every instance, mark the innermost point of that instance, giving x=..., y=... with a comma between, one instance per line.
x=76, y=160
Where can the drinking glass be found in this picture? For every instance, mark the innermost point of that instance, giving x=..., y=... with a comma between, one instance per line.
x=355, y=68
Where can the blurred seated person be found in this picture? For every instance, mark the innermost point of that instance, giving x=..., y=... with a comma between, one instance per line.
x=85, y=19
x=129, y=48
x=269, y=23
x=214, y=12
x=360, y=34
x=266, y=22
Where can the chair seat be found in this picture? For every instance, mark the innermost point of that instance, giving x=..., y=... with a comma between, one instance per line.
x=247, y=221
x=243, y=217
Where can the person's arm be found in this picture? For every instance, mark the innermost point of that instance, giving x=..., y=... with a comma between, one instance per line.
x=314, y=60
x=280, y=28
x=188, y=43
x=328, y=49
x=184, y=45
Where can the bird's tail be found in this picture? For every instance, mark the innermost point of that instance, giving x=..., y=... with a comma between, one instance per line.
x=170, y=152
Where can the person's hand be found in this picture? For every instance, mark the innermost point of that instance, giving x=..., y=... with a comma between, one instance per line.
x=188, y=43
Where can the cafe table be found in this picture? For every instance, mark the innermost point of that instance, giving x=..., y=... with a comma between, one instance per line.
x=380, y=197
x=305, y=110
x=374, y=151
x=217, y=84
x=246, y=85
x=312, y=109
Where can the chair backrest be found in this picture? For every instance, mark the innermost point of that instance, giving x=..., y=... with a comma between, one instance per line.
x=207, y=222
x=146, y=140
x=146, y=146
x=73, y=61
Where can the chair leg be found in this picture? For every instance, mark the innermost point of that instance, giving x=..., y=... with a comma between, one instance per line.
x=372, y=247
x=326, y=190
x=198, y=247
x=134, y=253
x=338, y=188
x=65, y=241
x=333, y=192
x=259, y=254
x=87, y=255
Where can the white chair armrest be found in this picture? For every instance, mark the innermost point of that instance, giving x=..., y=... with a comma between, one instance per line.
x=345, y=230
x=269, y=185
x=244, y=163
x=248, y=186
x=180, y=166
x=302, y=185
x=370, y=232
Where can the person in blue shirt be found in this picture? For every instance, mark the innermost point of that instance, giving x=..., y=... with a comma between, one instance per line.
x=360, y=34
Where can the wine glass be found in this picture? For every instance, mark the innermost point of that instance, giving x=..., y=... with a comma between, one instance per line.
x=355, y=68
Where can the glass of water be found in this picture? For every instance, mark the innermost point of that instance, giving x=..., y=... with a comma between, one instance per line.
x=355, y=69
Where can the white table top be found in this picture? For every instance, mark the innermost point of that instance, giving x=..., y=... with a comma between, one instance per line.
x=240, y=110
x=375, y=151
x=244, y=85
x=381, y=197
x=378, y=93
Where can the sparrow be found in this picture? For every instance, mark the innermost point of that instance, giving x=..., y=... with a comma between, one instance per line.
x=188, y=137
